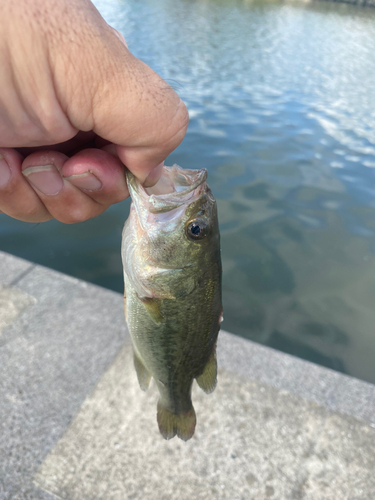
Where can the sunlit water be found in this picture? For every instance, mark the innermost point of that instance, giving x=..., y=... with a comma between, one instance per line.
x=282, y=114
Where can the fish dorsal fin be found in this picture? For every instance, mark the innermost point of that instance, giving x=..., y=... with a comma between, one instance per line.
x=143, y=375
x=207, y=380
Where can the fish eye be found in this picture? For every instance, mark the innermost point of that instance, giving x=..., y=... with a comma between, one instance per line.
x=196, y=229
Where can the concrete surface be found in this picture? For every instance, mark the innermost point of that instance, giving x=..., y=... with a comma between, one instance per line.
x=74, y=424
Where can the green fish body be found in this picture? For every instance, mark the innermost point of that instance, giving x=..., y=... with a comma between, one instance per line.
x=172, y=273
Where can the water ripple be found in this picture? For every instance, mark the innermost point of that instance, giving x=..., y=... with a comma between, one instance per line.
x=282, y=114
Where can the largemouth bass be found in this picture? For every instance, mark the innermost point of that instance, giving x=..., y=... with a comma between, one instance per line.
x=172, y=272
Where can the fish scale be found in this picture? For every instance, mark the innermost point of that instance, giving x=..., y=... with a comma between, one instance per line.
x=172, y=274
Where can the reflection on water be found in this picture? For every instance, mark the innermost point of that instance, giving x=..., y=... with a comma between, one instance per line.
x=282, y=114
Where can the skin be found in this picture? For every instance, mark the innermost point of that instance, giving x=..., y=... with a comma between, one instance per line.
x=75, y=107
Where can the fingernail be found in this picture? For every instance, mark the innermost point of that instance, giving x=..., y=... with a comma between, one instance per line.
x=4, y=171
x=46, y=179
x=86, y=181
x=153, y=176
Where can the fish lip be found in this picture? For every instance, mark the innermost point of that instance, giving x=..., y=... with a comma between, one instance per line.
x=158, y=203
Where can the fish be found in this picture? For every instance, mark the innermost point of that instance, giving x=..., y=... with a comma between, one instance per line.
x=173, y=301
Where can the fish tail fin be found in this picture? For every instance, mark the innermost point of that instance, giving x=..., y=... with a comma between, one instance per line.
x=143, y=375
x=170, y=424
x=207, y=380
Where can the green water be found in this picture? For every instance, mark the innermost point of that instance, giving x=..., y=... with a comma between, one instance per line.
x=282, y=114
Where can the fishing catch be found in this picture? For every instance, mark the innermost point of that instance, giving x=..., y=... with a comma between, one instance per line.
x=172, y=272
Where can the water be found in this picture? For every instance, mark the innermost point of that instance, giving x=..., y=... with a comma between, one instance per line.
x=282, y=114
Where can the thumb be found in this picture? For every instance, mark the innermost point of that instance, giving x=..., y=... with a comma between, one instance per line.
x=102, y=87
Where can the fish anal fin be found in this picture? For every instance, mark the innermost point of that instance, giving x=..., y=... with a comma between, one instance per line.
x=207, y=380
x=172, y=424
x=153, y=308
x=143, y=374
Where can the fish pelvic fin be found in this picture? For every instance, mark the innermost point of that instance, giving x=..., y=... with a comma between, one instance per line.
x=143, y=374
x=172, y=424
x=208, y=379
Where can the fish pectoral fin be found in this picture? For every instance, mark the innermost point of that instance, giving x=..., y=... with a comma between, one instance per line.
x=153, y=308
x=143, y=374
x=170, y=424
x=207, y=380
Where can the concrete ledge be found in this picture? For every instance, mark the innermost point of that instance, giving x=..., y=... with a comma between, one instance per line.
x=315, y=383
x=74, y=424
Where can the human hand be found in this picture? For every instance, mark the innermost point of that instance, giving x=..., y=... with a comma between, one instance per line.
x=75, y=106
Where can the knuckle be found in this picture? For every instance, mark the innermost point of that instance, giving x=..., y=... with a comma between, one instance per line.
x=32, y=215
x=75, y=215
x=72, y=218
x=117, y=198
x=55, y=131
x=6, y=191
x=21, y=206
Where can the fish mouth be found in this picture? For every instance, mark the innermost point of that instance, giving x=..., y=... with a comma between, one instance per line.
x=176, y=187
